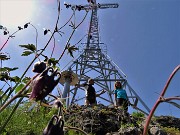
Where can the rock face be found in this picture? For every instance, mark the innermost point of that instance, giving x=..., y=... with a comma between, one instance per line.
x=102, y=120
x=157, y=131
x=168, y=121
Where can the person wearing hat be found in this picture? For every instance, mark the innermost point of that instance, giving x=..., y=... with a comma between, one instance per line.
x=90, y=92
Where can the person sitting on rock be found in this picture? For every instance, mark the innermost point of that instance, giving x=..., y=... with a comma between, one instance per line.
x=90, y=92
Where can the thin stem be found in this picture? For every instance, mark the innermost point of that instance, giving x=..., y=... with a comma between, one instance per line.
x=14, y=97
x=81, y=39
x=71, y=36
x=170, y=98
x=75, y=128
x=55, y=29
x=36, y=37
x=159, y=100
x=5, y=93
x=53, y=47
x=66, y=22
x=10, y=36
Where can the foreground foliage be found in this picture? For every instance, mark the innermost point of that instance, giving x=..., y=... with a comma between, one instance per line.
x=31, y=121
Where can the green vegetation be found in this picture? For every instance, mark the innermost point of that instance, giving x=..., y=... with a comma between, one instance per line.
x=171, y=130
x=138, y=114
x=126, y=125
x=26, y=122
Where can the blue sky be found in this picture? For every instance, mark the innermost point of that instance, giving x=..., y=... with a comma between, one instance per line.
x=142, y=38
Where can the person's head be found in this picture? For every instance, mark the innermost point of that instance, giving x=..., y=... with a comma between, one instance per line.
x=91, y=81
x=118, y=85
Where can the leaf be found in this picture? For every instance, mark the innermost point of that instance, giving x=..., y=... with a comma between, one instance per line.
x=26, y=53
x=26, y=79
x=12, y=69
x=1, y=27
x=19, y=87
x=52, y=61
x=1, y=92
x=71, y=25
x=7, y=69
x=5, y=32
x=29, y=47
x=71, y=49
x=4, y=97
x=15, y=79
x=3, y=56
x=26, y=25
x=46, y=31
x=20, y=28
x=4, y=76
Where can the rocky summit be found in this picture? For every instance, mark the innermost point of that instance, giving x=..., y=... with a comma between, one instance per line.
x=104, y=120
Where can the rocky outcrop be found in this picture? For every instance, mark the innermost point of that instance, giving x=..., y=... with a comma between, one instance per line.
x=168, y=121
x=103, y=120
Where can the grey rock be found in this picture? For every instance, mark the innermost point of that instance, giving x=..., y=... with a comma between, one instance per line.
x=157, y=131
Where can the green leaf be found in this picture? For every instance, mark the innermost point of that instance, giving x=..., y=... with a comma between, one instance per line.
x=26, y=80
x=19, y=87
x=52, y=61
x=3, y=56
x=4, y=97
x=4, y=76
x=1, y=92
x=29, y=47
x=7, y=69
x=15, y=79
x=26, y=53
x=71, y=49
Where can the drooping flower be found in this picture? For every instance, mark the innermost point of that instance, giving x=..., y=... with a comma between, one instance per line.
x=44, y=84
x=54, y=127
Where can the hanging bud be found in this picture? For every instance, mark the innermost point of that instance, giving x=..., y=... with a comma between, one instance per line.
x=39, y=67
x=54, y=127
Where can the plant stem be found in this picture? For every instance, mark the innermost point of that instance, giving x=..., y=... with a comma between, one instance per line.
x=17, y=95
x=74, y=29
x=159, y=100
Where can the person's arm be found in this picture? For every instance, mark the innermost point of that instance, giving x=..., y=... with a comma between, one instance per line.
x=80, y=85
x=102, y=92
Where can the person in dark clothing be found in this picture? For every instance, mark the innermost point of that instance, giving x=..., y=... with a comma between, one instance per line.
x=90, y=92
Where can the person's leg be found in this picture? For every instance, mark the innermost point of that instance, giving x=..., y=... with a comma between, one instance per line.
x=125, y=105
x=92, y=101
x=119, y=101
x=86, y=102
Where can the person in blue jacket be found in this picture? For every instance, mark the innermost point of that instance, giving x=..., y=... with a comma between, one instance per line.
x=120, y=96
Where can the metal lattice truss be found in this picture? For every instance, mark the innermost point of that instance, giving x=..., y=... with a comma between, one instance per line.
x=93, y=63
